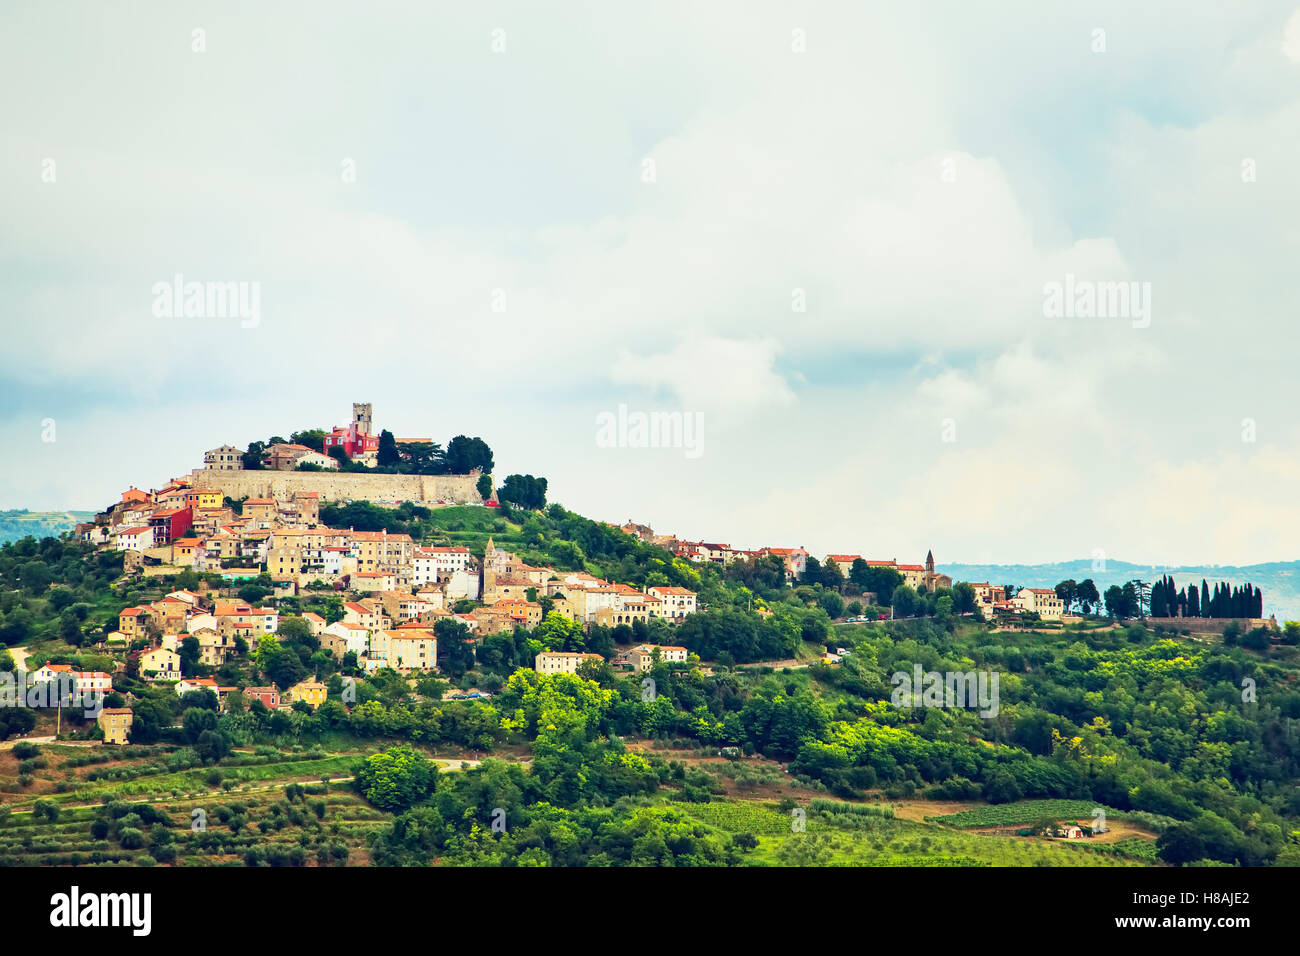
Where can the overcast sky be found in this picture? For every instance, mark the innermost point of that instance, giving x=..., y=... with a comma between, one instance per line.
x=915, y=174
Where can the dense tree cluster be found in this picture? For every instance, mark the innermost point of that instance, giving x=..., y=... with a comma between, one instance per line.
x=523, y=491
x=1081, y=595
x=1168, y=600
x=461, y=456
x=49, y=589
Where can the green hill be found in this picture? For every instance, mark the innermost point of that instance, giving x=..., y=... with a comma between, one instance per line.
x=19, y=524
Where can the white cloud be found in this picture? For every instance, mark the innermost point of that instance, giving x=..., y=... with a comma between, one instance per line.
x=710, y=374
x=1291, y=38
x=901, y=173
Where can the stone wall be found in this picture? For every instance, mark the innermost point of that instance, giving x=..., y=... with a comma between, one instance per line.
x=1208, y=625
x=338, y=486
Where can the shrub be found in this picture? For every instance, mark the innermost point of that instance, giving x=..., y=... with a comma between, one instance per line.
x=164, y=854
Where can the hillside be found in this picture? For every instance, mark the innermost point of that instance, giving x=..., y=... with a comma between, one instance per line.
x=21, y=523
x=756, y=750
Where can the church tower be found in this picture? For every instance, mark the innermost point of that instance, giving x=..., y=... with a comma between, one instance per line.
x=362, y=417
x=929, y=570
x=489, y=582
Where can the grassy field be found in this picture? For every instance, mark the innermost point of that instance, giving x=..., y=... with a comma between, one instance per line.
x=100, y=806
x=830, y=838
x=322, y=826
x=1023, y=812
x=899, y=833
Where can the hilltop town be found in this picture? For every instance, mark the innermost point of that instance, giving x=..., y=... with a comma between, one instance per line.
x=397, y=596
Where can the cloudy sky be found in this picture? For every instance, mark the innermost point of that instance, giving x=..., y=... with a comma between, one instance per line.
x=825, y=227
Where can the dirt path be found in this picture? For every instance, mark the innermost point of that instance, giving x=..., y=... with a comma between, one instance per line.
x=788, y=664
x=918, y=810
x=9, y=744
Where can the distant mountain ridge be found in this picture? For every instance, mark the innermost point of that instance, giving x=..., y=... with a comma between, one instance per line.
x=20, y=523
x=1279, y=580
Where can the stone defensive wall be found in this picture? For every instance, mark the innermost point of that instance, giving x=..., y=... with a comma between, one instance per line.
x=340, y=486
x=1208, y=625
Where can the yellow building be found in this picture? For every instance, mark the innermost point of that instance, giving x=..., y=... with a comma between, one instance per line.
x=203, y=498
x=160, y=664
x=1041, y=601
x=405, y=649
x=311, y=691
x=381, y=551
x=643, y=655
x=260, y=509
x=133, y=620
x=115, y=722
x=562, y=662
x=677, y=603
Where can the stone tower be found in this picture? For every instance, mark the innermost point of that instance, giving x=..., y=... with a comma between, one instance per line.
x=362, y=417
x=489, y=581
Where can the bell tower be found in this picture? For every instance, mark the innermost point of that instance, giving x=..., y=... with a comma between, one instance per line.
x=362, y=417
x=489, y=581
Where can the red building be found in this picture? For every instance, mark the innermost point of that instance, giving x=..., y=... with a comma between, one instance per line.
x=351, y=440
x=171, y=524
x=269, y=696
